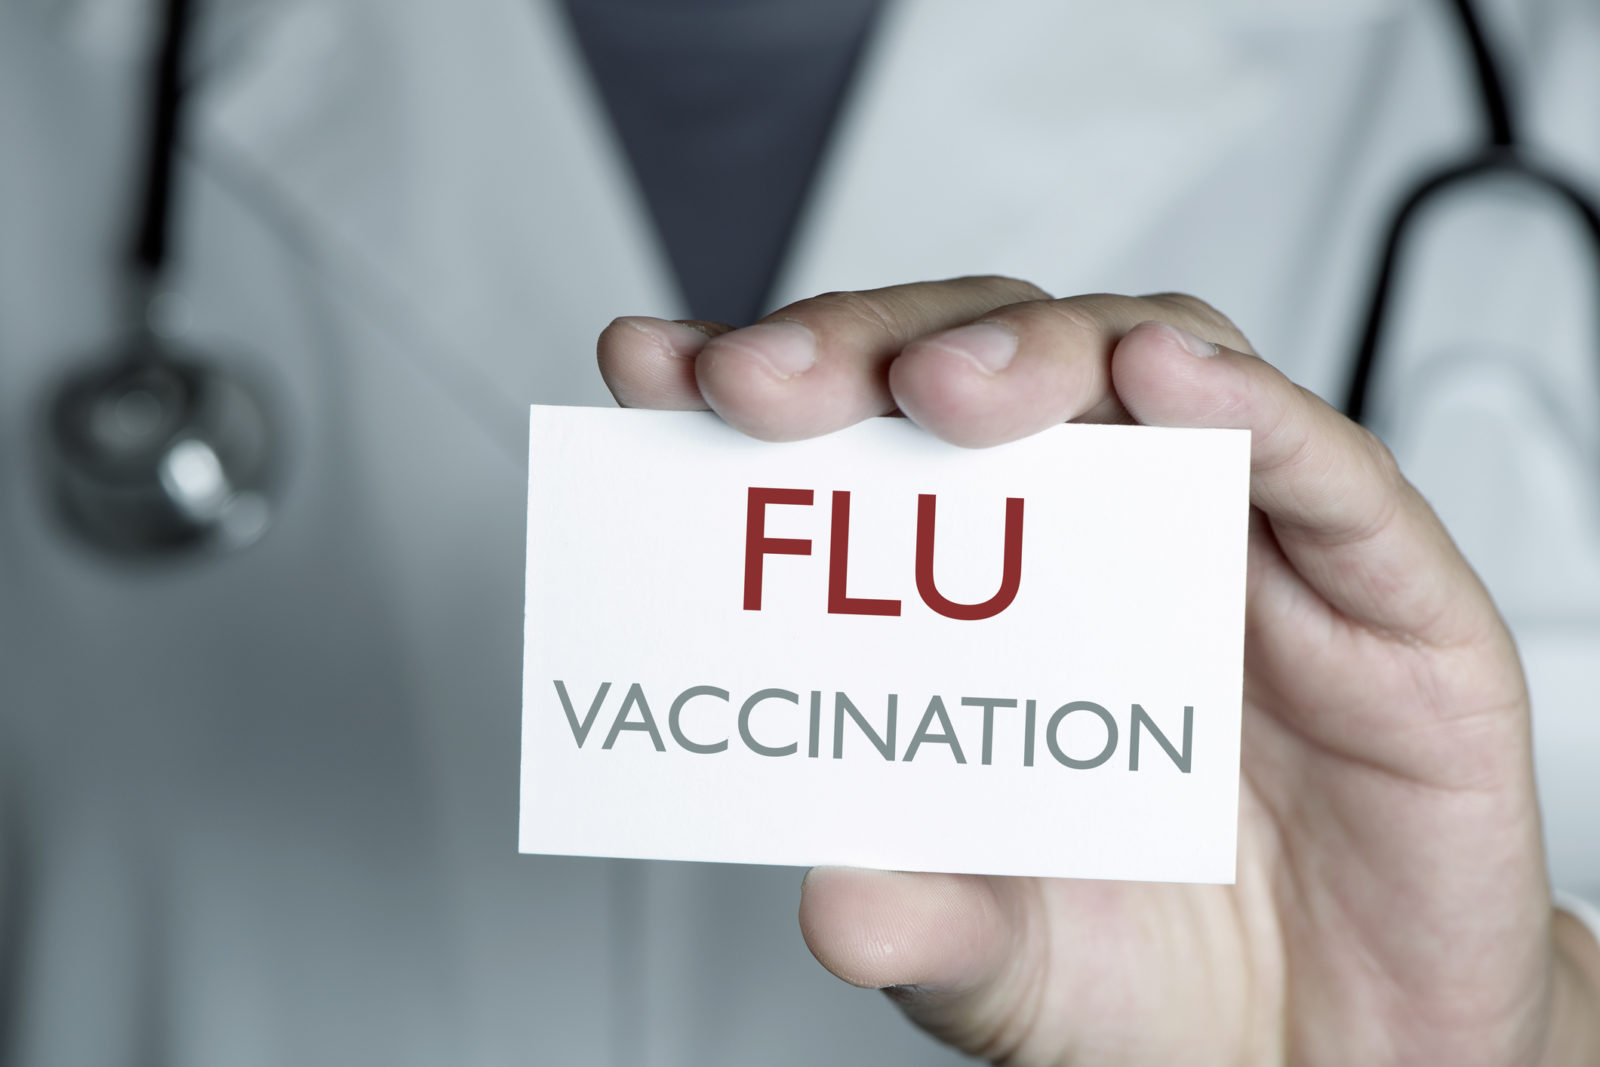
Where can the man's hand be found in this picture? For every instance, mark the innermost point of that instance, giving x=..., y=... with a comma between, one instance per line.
x=1391, y=905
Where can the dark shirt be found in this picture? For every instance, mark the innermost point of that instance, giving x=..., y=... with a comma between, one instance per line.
x=724, y=108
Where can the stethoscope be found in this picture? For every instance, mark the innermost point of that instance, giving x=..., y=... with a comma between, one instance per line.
x=155, y=449
x=158, y=450
x=1500, y=156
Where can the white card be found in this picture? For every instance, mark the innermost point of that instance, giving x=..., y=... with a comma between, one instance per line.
x=748, y=652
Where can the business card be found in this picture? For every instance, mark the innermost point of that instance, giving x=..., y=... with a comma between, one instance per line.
x=875, y=649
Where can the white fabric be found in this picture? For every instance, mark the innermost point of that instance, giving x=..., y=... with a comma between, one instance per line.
x=261, y=810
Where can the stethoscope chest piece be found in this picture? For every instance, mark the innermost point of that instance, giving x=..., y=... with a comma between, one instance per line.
x=157, y=451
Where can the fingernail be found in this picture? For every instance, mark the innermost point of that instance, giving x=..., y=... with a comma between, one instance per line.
x=1191, y=344
x=710, y=329
x=676, y=338
x=987, y=344
x=784, y=348
x=905, y=991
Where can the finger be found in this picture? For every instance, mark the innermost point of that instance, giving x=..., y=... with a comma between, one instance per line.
x=946, y=946
x=871, y=928
x=1022, y=368
x=819, y=365
x=649, y=363
x=1358, y=533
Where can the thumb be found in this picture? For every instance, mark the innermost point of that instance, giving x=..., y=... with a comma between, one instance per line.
x=947, y=947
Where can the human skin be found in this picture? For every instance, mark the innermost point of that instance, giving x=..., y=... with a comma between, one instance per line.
x=1392, y=904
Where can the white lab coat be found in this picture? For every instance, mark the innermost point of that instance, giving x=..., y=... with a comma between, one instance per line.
x=261, y=809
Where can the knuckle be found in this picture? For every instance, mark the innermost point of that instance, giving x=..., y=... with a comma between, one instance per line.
x=1379, y=455
x=1338, y=465
x=874, y=311
x=1191, y=305
x=902, y=312
x=1083, y=315
x=1011, y=290
x=1202, y=314
x=1284, y=440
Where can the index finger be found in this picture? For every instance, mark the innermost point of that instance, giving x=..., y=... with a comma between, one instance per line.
x=1341, y=512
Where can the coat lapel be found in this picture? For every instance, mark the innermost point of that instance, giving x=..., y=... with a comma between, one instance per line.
x=453, y=172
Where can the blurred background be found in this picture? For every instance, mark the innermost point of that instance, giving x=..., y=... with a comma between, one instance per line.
x=275, y=293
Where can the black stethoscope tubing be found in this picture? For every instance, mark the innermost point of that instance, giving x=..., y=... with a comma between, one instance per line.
x=1500, y=157
x=148, y=249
